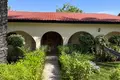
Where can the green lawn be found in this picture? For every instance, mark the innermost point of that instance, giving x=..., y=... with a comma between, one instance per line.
x=105, y=70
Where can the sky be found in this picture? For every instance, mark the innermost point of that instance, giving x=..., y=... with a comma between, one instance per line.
x=88, y=6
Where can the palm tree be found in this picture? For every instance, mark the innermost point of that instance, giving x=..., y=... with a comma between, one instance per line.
x=3, y=30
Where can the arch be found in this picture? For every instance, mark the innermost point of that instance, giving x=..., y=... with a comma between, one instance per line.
x=29, y=41
x=52, y=39
x=110, y=34
x=74, y=39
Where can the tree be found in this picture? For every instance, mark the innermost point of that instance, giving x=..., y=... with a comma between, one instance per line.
x=9, y=7
x=3, y=30
x=69, y=8
x=119, y=14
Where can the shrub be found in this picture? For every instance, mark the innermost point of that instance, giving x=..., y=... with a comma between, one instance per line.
x=101, y=54
x=29, y=68
x=69, y=49
x=75, y=67
x=14, y=53
x=115, y=74
x=115, y=40
x=44, y=48
x=87, y=42
x=15, y=40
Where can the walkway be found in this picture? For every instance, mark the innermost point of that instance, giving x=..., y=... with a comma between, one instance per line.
x=51, y=69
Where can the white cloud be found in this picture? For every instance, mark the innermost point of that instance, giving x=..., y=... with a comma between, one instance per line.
x=109, y=12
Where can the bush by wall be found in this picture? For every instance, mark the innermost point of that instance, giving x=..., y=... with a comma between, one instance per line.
x=15, y=42
x=75, y=67
x=14, y=53
x=29, y=68
x=102, y=55
x=115, y=40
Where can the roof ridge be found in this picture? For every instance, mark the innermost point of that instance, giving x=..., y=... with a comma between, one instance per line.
x=61, y=12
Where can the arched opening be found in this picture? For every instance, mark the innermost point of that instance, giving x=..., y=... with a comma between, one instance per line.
x=29, y=41
x=113, y=38
x=74, y=39
x=52, y=40
x=82, y=41
x=110, y=34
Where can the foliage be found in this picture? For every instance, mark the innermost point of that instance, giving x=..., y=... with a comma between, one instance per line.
x=75, y=67
x=69, y=49
x=115, y=40
x=14, y=53
x=29, y=68
x=69, y=8
x=115, y=47
x=115, y=74
x=87, y=42
x=44, y=48
x=101, y=54
x=15, y=40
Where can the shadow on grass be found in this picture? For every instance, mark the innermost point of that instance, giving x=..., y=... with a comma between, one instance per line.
x=109, y=64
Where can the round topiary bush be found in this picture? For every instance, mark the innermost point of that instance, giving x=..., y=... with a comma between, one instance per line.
x=15, y=40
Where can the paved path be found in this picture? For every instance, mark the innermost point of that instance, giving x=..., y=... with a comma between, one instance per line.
x=51, y=68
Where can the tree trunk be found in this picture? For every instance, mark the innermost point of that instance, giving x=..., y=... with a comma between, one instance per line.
x=3, y=30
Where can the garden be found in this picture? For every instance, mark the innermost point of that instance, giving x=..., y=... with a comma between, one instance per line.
x=90, y=60
x=22, y=64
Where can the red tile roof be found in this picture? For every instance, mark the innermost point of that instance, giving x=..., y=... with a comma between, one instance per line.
x=57, y=16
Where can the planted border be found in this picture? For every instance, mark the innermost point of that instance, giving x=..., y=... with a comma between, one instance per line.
x=29, y=68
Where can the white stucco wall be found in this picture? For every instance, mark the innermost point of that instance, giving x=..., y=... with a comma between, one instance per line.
x=37, y=30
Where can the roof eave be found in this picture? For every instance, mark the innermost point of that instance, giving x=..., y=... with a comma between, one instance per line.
x=72, y=22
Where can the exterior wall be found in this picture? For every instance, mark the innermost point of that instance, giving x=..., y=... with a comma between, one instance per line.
x=37, y=30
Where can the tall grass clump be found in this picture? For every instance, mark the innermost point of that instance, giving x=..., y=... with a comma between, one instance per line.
x=29, y=68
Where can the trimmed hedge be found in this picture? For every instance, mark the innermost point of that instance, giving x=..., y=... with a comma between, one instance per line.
x=29, y=68
x=15, y=40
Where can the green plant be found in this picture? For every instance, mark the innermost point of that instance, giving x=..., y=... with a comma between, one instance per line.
x=14, y=54
x=29, y=68
x=115, y=74
x=15, y=40
x=101, y=54
x=87, y=42
x=44, y=48
x=115, y=40
x=15, y=43
x=75, y=67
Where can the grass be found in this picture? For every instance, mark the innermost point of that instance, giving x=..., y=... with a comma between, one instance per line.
x=106, y=68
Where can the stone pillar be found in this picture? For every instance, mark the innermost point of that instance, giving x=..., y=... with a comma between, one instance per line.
x=38, y=43
x=65, y=40
x=3, y=30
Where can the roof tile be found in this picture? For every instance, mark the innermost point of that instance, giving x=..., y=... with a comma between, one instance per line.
x=59, y=16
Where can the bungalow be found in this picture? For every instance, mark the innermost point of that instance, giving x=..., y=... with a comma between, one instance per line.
x=55, y=28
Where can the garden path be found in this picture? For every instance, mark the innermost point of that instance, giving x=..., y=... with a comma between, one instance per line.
x=51, y=68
